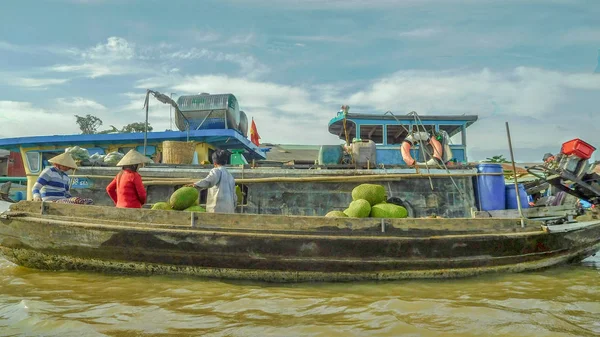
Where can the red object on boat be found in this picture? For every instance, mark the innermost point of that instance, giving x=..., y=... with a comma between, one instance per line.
x=579, y=148
x=15, y=166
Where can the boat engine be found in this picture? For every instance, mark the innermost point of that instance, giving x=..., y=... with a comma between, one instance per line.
x=570, y=171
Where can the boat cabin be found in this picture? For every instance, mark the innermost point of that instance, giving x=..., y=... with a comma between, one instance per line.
x=388, y=132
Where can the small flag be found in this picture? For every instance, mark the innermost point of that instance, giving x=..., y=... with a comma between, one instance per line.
x=254, y=137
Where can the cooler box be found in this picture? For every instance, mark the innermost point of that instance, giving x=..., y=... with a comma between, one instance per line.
x=578, y=148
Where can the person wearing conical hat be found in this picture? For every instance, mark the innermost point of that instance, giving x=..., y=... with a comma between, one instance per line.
x=126, y=189
x=53, y=183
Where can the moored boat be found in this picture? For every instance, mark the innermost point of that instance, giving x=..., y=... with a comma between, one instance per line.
x=283, y=248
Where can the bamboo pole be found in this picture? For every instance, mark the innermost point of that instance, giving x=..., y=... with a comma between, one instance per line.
x=357, y=178
x=365, y=178
x=512, y=159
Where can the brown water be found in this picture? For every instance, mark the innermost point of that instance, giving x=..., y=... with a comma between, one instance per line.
x=558, y=302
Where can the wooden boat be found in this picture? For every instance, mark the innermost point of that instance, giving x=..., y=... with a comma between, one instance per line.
x=282, y=248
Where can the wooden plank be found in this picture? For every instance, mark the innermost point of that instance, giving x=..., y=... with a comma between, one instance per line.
x=569, y=227
x=274, y=222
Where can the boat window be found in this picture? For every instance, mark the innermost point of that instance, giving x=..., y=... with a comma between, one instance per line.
x=372, y=132
x=33, y=161
x=46, y=155
x=396, y=134
x=124, y=150
x=423, y=127
x=455, y=132
x=3, y=167
x=150, y=149
x=94, y=150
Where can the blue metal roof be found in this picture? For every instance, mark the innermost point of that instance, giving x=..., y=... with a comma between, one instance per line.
x=219, y=138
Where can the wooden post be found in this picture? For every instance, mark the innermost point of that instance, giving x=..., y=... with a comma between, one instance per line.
x=512, y=159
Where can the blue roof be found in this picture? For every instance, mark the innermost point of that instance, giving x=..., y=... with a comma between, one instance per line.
x=219, y=138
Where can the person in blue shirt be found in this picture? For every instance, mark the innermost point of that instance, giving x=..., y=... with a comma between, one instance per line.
x=53, y=184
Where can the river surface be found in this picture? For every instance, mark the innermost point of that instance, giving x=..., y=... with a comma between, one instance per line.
x=564, y=301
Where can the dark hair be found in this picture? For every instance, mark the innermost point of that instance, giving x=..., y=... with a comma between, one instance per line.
x=220, y=157
x=131, y=167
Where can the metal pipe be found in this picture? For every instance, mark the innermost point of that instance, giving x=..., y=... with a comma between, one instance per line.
x=146, y=124
x=203, y=120
x=512, y=159
x=171, y=114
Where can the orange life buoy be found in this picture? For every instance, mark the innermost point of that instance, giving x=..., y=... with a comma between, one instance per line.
x=421, y=136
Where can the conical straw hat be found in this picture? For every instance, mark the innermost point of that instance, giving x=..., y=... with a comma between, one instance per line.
x=133, y=158
x=64, y=159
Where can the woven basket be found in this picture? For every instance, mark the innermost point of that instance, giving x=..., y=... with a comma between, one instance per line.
x=178, y=152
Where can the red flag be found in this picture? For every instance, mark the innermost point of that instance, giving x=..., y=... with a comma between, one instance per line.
x=254, y=137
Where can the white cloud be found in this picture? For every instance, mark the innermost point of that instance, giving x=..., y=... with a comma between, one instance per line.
x=524, y=91
x=581, y=35
x=9, y=46
x=249, y=65
x=249, y=38
x=321, y=38
x=115, y=57
x=119, y=57
x=419, y=33
x=115, y=48
x=21, y=119
x=95, y=70
x=37, y=83
x=79, y=103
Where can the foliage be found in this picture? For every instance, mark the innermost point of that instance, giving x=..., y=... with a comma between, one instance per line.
x=88, y=124
x=497, y=159
x=135, y=127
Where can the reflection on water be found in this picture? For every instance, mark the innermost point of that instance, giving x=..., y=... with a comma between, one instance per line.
x=558, y=302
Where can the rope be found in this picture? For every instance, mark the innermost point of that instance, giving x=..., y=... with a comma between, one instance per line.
x=462, y=194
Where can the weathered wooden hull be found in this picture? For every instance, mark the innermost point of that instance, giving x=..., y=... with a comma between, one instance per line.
x=281, y=248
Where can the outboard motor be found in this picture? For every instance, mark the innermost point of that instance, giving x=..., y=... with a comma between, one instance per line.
x=573, y=157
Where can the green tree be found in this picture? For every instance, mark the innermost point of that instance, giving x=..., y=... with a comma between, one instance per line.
x=88, y=124
x=497, y=159
x=135, y=127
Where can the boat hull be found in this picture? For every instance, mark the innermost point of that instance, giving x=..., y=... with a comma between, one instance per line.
x=281, y=248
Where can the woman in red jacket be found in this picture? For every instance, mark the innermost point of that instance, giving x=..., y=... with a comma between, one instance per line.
x=126, y=190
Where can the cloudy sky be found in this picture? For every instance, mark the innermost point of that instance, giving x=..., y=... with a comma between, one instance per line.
x=291, y=64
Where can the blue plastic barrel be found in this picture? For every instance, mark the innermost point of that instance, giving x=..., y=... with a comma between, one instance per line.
x=330, y=154
x=511, y=197
x=491, y=193
x=17, y=196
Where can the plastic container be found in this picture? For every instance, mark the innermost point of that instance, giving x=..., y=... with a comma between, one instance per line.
x=363, y=152
x=511, y=197
x=243, y=126
x=330, y=154
x=491, y=192
x=578, y=148
x=207, y=112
